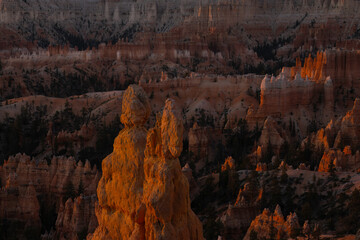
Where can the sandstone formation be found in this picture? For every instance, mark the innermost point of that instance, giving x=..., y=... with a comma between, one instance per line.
x=194, y=188
x=120, y=189
x=239, y=216
x=59, y=53
x=168, y=214
x=50, y=178
x=337, y=140
x=139, y=195
x=202, y=143
x=229, y=164
x=32, y=187
x=337, y=160
x=85, y=136
x=76, y=218
x=20, y=207
x=264, y=223
x=271, y=136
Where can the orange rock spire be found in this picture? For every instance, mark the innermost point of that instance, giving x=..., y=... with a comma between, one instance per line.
x=145, y=196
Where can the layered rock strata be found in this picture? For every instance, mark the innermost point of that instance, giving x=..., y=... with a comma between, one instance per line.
x=33, y=188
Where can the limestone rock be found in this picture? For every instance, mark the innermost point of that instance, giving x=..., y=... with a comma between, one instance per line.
x=194, y=188
x=339, y=160
x=337, y=139
x=121, y=187
x=166, y=190
x=238, y=217
x=270, y=135
x=265, y=222
x=76, y=218
x=27, y=180
x=302, y=166
x=19, y=205
x=229, y=164
x=143, y=193
x=202, y=143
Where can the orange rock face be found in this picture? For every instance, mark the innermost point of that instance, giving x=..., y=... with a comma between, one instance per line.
x=228, y=164
x=261, y=167
x=264, y=223
x=339, y=160
x=120, y=188
x=145, y=196
x=166, y=190
x=337, y=139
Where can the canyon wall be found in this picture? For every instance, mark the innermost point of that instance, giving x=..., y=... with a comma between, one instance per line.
x=31, y=189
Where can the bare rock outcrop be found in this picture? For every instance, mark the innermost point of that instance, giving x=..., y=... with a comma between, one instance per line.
x=238, y=217
x=168, y=213
x=270, y=136
x=20, y=207
x=229, y=164
x=143, y=193
x=335, y=159
x=202, y=143
x=194, y=188
x=268, y=225
x=75, y=219
x=33, y=186
x=120, y=189
x=337, y=140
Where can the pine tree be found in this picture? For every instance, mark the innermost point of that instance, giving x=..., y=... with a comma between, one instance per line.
x=69, y=190
x=81, y=188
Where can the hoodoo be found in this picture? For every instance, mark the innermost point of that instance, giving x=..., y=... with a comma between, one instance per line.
x=143, y=193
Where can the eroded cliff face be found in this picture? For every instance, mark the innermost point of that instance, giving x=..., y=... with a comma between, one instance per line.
x=238, y=217
x=143, y=193
x=337, y=141
x=20, y=207
x=33, y=188
x=269, y=224
x=76, y=218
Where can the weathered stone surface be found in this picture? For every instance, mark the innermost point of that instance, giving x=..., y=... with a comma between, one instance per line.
x=337, y=140
x=266, y=222
x=270, y=135
x=27, y=182
x=166, y=190
x=120, y=189
x=229, y=164
x=238, y=217
x=194, y=188
x=145, y=196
